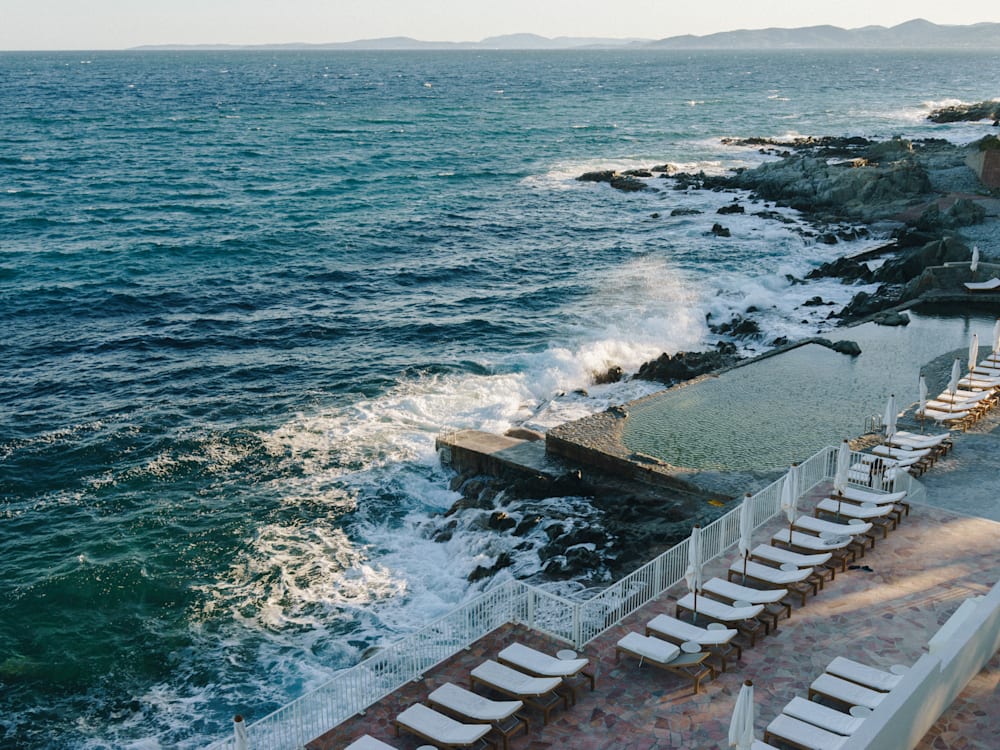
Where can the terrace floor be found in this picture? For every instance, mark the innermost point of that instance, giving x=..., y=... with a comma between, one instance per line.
x=919, y=576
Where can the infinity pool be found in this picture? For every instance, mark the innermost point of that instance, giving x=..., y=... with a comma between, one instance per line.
x=784, y=408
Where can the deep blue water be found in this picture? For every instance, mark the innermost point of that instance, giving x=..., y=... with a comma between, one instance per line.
x=241, y=292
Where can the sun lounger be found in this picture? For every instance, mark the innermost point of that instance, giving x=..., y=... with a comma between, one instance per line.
x=905, y=456
x=855, y=528
x=983, y=286
x=666, y=656
x=822, y=716
x=799, y=541
x=862, y=674
x=803, y=735
x=729, y=593
x=442, y=730
x=742, y=618
x=947, y=417
x=539, y=664
x=844, y=691
x=796, y=580
x=537, y=692
x=875, y=514
x=367, y=742
x=464, y=704
x=716, y=640
x=859, y=495
x=818, y=563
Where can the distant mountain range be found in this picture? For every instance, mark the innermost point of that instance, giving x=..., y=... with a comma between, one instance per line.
x=916, y=34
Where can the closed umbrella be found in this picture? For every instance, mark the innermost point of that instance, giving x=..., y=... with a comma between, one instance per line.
x=956, y=374
x=975, y=259
x=889, y=420
x=840, y=475
x=996, y=337
x=790, y=496
x=922, y=390
x=741, y=725
x=693, y=573
x=746, y=530
x=973, y=352
x=240, y=732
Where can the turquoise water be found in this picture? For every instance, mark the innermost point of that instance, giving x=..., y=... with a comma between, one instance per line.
x=778, y=410
x=241, y=292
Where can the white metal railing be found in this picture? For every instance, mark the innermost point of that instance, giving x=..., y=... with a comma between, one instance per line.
x=353, y=690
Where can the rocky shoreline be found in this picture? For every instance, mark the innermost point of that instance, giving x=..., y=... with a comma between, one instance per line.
x=842, y=186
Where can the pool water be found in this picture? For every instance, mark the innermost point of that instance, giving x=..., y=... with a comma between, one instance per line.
x=782, y=409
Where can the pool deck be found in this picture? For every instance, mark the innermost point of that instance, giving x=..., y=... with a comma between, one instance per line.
x=919, y=575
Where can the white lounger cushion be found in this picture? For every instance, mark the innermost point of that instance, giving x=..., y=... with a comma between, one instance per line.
x=931, y=440
x=367, y=742
x=900, y=453
x=945, y=416
x=671, y=627
x=810, y=542
x=782, y=555
x=772, y=575
x=513, y=681
x=472, y=704
x=983, y=286
x=851, y=510
x=542, y=664
x=862, y=674
x=822, y=716
x=718, y=610
x=868, y=496
x=439, y=727
x=649, y=647
x=805, y=735
x=737, y=593
x=848, y=692
x=843, y=529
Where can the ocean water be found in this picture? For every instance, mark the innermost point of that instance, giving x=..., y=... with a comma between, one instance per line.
x=241, y=292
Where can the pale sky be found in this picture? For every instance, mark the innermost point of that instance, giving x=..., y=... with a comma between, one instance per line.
x=117, y=24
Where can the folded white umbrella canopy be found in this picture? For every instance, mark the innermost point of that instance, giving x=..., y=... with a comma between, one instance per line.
x=889, y=419
x=956, y=374
x=790, y=495
x=746, y=529
x=741, y=725
x=840, y=474
x=693, y=573
x=973, y=352
x=975, y=259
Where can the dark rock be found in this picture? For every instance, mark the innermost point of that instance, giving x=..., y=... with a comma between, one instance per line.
x=966, y=112
x=848, y=269
x=687, y=365
x=815, y=302
x=605, y=175
x=664, y=169
x=527, y=525
x=847, y=347
x=911, y=264
x=738, y=326
x=637, y=173
x=720, y=231
x=628, y=184
x=503, y=561
x=611, y=375
x=891, y=318
x=654, y=215
x=827, y=238
x=500, y=521
x=685, y=212
x=780, y=341
x=732, y=208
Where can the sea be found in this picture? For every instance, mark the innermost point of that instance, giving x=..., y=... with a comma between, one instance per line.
x=241, y=292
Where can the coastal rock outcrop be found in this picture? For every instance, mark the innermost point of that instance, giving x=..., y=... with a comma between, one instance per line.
x=686, y=365
x=967, y=112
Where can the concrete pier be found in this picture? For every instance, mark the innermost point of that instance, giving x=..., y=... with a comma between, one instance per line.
x=497, y=455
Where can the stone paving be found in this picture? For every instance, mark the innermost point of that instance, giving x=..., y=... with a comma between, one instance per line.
x=918, y=577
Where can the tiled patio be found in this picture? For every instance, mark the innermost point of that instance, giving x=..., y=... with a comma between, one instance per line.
x=920, y=574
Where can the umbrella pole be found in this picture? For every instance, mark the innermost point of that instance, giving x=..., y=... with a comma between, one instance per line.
x=745, y=563
x=694, y=615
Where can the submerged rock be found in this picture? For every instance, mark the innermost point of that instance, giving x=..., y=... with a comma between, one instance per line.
x=686, y=365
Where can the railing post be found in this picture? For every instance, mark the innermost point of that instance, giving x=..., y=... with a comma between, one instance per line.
x=577, y=636
x=240, y=732
x=531, y=609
